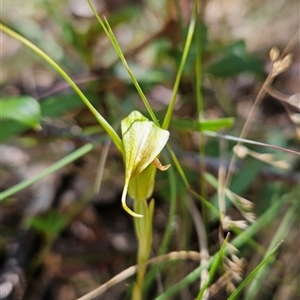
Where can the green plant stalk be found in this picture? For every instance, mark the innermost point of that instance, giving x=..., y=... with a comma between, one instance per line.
x=200, y=105
x=186, y=49
x=172, y=214
x=108, y=31
x=51, y=169
x=206, y=203
x=240, y=240
x=178, y=167
x=140, y=189
x=143, y=229
x=186, y=183
x=213, y=268
x=168, y=231
x=108, y=128
x=198, y=69
x=280, y=234
x=265, y=261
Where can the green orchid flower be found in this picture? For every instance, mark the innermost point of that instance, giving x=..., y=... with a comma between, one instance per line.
x=143, y=140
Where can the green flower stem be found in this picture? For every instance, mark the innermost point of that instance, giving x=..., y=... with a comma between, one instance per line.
x=143, y=229
x=178, y=167
x=200, y=105
x=112, y=133
x=186, y=49
x=168, y=231
x=108, y=31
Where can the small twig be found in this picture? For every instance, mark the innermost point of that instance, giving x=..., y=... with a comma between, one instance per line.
x=133, y=269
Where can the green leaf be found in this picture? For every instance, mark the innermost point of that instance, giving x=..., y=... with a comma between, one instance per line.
x=233, y=65
x=55, y=106
x=52, y=223
x=23, y=109
x=49, y=170
x=195, y=125
x=237, y=48
x=10, y=128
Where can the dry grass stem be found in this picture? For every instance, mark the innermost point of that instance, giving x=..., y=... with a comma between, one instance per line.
x=293, y=100
x=279, y=65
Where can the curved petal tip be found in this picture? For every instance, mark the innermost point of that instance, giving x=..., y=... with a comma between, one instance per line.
x=126, y=208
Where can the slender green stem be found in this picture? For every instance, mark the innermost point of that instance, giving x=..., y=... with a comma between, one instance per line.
x=186, y=49
x=206, y=203
x=178, y=167
x=143, y=229
x=51, y=169
x=112, y=133
x=186, y=183
x=172, y=214
x=213, y=268
x=168, y=231
x=271, y=255
x=200, y=105
x=198, y=68
x=108, y=31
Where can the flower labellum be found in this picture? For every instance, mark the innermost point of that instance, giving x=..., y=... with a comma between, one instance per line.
x=143, y=140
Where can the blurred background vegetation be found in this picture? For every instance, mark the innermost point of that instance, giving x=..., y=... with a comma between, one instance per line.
x=64, y=239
